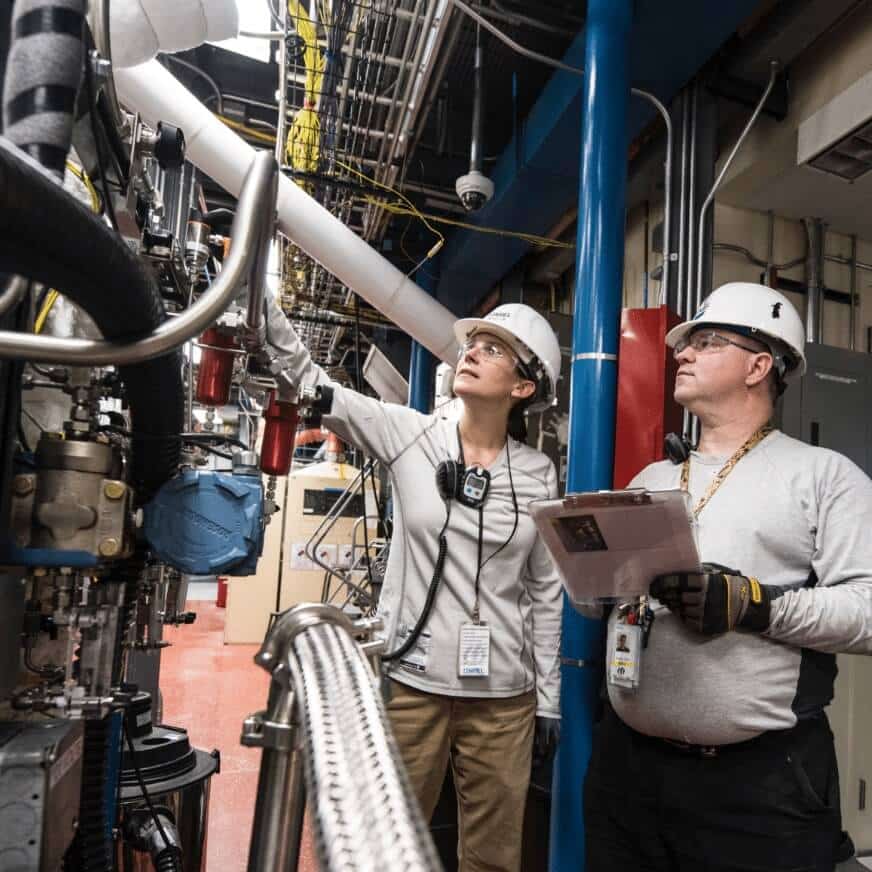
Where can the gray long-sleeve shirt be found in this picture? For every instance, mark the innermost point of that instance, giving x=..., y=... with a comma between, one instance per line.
x=521, y=594
x=787, y=510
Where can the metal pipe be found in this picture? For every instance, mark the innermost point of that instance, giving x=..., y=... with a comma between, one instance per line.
x=814, y=279
x=752, y=258
x=498, y=12
x=774, y=67
x=246, y=264
x=852, y=321
x=682, y=211
x=100, y=28
x=476, y=146
x=770, y=246
x=282, y=122
x=13, y=293
x=846, y=261
x=690, y=298
x=596, y=320
x=280, y=805
x=667, y=182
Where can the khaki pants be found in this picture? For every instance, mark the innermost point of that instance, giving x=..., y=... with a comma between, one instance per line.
x=489, y=743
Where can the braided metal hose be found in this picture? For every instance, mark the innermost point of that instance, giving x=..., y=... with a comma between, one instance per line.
x=365, y=816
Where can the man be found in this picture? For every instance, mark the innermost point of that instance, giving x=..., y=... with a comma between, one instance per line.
x=722, y=758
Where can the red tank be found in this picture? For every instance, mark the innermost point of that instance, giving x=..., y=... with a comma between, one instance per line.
x=215, y=375
x=278, y=436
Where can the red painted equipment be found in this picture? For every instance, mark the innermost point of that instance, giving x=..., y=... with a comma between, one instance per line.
x=278, y=436
x=216, y=368
x=646, y=379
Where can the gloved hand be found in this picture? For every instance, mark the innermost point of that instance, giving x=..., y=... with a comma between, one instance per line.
x=715, y=600
x=546, y=738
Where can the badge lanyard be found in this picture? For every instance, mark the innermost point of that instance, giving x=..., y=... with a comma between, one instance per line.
x=725, y=470
x=634, y=621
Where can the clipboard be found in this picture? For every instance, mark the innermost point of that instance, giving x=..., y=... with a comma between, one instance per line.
x=608, y=546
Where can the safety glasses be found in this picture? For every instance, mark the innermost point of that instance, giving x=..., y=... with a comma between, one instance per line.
x=707, y=341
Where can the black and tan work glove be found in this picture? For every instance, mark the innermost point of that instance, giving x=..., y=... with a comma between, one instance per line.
x=715, y=600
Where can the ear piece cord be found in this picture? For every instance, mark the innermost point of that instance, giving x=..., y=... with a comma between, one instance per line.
x=514, y=505
x=435, y=581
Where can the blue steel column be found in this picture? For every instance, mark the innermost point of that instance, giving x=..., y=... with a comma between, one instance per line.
x=421, y=364
x=599, y=269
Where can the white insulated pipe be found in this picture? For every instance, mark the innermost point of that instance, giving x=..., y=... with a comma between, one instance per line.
x=210, y=145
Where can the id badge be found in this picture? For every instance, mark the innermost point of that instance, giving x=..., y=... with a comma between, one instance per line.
x=418, y=658
x=473, y=651
x=625, y=653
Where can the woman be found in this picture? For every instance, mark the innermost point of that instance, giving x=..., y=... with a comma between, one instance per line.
x=471, y=601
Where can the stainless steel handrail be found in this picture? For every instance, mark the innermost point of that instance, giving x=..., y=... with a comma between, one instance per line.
x=251, y=233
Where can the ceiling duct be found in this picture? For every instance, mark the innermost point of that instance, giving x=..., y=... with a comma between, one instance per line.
x=837, y=139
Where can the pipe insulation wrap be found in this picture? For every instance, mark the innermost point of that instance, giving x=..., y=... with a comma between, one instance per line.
x=43, y=73
x=156, y=94
x=139, y=29
x=365, y=815
x=49, y=236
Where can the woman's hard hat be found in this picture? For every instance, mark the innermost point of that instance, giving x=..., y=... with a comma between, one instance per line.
x=531, y=337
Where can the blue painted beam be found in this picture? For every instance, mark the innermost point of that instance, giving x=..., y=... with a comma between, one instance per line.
x=421, y=366
x=536, y=178
x=599, y=268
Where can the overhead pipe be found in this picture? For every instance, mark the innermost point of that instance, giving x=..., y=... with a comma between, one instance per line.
x=245, y=265
x=774, y=67
x=216, y=150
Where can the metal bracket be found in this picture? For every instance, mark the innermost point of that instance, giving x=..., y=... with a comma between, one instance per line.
x=580, y=664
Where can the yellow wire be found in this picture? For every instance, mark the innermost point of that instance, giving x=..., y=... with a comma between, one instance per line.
x=400, y=209
x=82, y=176
x=412, y=208
x=51, y=297
x=46, y=308
x=254, y=134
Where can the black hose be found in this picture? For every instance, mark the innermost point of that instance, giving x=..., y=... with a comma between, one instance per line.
x=43, y=72
x=216, y=218
x=48, y=236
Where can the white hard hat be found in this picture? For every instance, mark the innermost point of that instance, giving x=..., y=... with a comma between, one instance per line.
x=755, y=311
x=531, y=337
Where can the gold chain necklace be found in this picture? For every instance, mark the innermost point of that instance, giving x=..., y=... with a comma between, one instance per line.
x=725, y=470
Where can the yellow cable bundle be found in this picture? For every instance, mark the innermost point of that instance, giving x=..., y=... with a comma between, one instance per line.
x=303, y=146
x=52, y=295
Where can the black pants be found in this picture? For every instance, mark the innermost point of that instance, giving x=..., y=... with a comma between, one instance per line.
x=767, y=805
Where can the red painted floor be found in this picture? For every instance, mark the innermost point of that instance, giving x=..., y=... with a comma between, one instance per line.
x=209, y=688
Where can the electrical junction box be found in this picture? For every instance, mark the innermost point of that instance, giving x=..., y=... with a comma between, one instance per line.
x=208, y=523
x=40, y=782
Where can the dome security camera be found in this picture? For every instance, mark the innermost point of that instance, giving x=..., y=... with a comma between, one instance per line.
x=474, y=190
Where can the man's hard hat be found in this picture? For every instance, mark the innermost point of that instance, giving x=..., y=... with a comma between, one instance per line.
x=531, y=337
x=757, y=312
